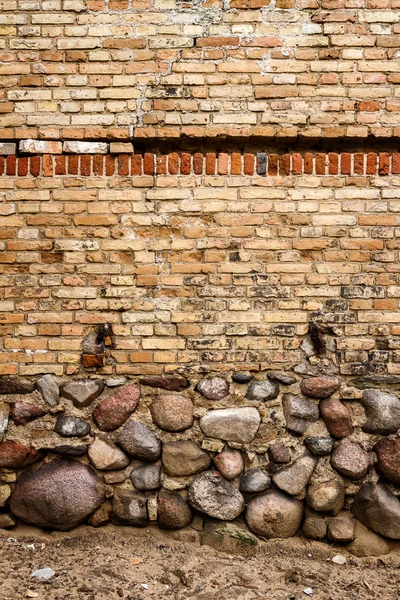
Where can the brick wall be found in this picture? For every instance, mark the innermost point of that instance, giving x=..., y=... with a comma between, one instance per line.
x=211, y=260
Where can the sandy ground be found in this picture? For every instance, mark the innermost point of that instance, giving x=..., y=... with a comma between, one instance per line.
x=137, y=564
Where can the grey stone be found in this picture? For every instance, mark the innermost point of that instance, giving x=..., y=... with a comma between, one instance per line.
x=341, y=529
x=326, y=497
x=49, y=389
x=15, y=385
x=350, y=460
x=321, y=386
x=173, y=511
x=71, y=426
x=382, y=411
x=299, y=413
x=89, y=342
x=4, y=415
x=279, y=453
x=69, y=449
x=172, y=412
x=254, y=480
x=82, y=393
x=274, y=515
x=214, y=388
x=283, y=378
x=60, y=494
x=146, y=477
x=213, y=495
x=294, y=478
x=379, y=509
x=319, y=445
x=229, y=463
x=232, y=424
x=262, y=390
x=105, y=456
x=7, y=148
x=138, y=441
x=184, y=458
x=315, y=527
x=241, y=378
x=129, y=508
x=376, y=381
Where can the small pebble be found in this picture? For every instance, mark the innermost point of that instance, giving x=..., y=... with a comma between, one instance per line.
x=339, y=559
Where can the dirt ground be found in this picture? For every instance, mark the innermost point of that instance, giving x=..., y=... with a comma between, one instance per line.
x=123, y=562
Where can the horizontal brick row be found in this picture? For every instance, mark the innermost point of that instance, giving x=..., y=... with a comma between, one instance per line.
x=198, y=163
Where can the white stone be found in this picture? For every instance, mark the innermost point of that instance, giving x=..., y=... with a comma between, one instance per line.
x=86, y=147
x=40, y=147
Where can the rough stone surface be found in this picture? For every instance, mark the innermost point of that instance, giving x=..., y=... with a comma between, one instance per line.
x=315, y=527
x=15, y=455
x=350, y=460
x=105, y=456
x=71, y=426
x=322, y=386
x=233, y=538
x=254, y=480
x=241, y=378
x=319, y=445
x=336, y=417
x=299, y=413
x=16, y=385
x=59, y=495
x=4, y=415
x=388, y=452
x=283, y=378
x=138, y=441
x=341, y=529
x=23, y=413
x=232, y=424
x=184, y=458
x=229, y=463
x=112, y=412
x=101, y=516
x=70, y=449
x=83, y=392
x=367, y=543
x=173, y=384
x=85, y=147
x=294, y=478
x=326, y=497
x=146, y=477
x=274, y=515
x=382, y=411
x=129, y=508
x=7, y=521
x=49, y=389
x=279, y=453
x=379, y=509
x=40, y=147
x=172, y=412
x=5, y=493
x=262, y=390
x=376, y=381
x=173, y=511
x=214, y=388
x=213, y=495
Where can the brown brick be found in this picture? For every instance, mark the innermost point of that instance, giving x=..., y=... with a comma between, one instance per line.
x=371, y=163
x=223, y=163
x=85, y=165
x=136, y=164
x=110, y=165
x=98, y=164
x=73, y=164
x=345, y=163
x=11, y=165
x=333, y=163
x=23, y=164
x=186, y=160
x=173, y=163
x=161, y=165
x=384, y=163
x=308, y=163
x=198, y=163
x=320, y=163
x=273, y=164
x=123, y=164
x=236, y=163
x=211, y=159
x=148, y=163
x=359, y=163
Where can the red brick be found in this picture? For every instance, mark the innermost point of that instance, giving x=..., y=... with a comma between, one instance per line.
x=359, y=163
x=73, y=164
x=60, y=164
x=223, y=163
x=11, y=165
x=186, y=160
x=211, y=159
x=284, y=165
x=136, y=164
x=161, y=165
x=297, y=164
x=198, y=163
x=173, y=163
x=273, y=164
x=123, y=164
x=23, y=164
x=320, y=163
x=98, y=164
x=248, y=164
x=236, y=163
x=86, y=165
x=308, y=163
x=2, y=164
x=47, y=165
x=345, y=163
x=333, y=166
x=396, y=163
x=110, y=165
x=148, y=163
x=34, y=165
x=218, y=42
x=384, y=163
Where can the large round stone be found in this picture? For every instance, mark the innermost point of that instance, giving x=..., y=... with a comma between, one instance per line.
x=172, y=412
x=336, y=417
x=262, y=390
x=229, y=463
x=294, y=478
x=173, y=511
x=382, y=410
x=274, y=515
x=112, y=412
x=379, y=509
x=213, y=495
x=138, y=441
x=388, y=452
x=184, y=458
x=59, y=495
x=326, y=497
x=129, y=508
x=320, y=387
x=82, y=392
x=15, y=455
x=146, y=477
x=105, y=456
x=254, y=480
x=350, y=460
x=232, y=424
x=214, y=388
x=299, y=413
